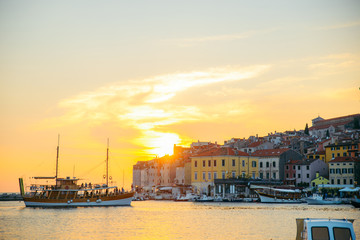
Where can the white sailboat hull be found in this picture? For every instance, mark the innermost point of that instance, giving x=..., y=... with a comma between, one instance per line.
x=266, y=199
x=98, y=203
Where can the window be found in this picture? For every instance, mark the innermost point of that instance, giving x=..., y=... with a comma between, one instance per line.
x=338, y=171
x=337, y=148
x=274, y=164
x=267, y=164
x=293, y=167
x=209, y=163
x=307, y=167
x=332, y=181
x=261, y=175
x=294, y=175
x=214, y=163
x=233, y=162
x=253, y=163
x=243, y=163
x=338, y=154
x=195, y=163
x=344, y=181
x=287, y=175
x=344, y=170
x=350, y=170
x=332, y=170
x=204, y=175
x=338, y=181
x=267, y=175
x=223, y=162
x=307, y=175
x=195, y=177
x=332, y=148
x=333, y=155
x=298, y=167
x=209, y=175
x=350, y=181
x=342, y=233
x=299, y=175
x=344, y=154
x=320, y=233
x=344, y=147
x=243, y=174
x=261, y=164
x=223, y=174
x=274, y=175
x=215, y=175
x=233, y=174
x=203, y=163
x=253, y=175
x=287, y=167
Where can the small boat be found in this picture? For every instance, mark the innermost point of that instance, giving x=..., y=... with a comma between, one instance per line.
x=66, y=192
x=317, y=199
x=355, y=202
x=276, y=195
x=322, y=228
x=189, y=197
x=204, y=198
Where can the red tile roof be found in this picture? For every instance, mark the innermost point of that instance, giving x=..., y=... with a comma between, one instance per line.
x=224, y=151
x=345, y=159
x=269, y=152
x=255, y=144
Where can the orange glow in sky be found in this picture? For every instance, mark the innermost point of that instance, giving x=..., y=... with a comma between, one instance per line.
x=148, y=76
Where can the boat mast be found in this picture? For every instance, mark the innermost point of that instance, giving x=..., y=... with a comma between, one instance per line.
x=57, y=158
x=107, y=164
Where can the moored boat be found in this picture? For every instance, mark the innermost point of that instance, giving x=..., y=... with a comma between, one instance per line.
x=317, y=199
x=66, y=192
x=275, y=195
x=355, y=202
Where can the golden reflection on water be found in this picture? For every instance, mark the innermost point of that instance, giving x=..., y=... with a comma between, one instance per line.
x=164, y=220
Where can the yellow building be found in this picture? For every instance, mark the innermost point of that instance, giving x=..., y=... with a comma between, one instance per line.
x=342, y=149
x=318, y=180
x=342, y=170
x=318, y=155
x=221, y=163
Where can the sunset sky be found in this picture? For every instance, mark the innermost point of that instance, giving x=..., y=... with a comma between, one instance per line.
x=151, y=74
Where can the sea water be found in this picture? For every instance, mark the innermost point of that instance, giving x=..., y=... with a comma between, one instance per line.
x=165, y=220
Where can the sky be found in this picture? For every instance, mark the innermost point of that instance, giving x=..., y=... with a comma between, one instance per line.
x=150, y=74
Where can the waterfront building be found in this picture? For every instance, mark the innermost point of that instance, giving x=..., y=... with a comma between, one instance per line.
x=306, y=170
x=221, y=163
x=272, y=162
x=319, y=180
x=344, y=170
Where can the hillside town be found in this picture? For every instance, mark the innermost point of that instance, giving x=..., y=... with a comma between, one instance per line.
x=324, y=155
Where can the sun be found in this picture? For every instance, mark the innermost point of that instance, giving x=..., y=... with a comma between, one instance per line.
x=160, y=143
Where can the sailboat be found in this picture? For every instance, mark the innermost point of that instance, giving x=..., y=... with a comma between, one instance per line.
x=66, y=192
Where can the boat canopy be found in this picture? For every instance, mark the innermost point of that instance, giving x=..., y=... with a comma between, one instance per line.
x=44, y=177
x=347, y=189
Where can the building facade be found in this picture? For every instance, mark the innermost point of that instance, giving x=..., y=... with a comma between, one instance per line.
x=272, y=162
x=221, y=163
x=344, y=171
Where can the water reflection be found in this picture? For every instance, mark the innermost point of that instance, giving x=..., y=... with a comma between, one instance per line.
x=164, y=220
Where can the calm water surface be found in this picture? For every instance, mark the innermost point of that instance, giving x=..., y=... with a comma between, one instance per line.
x=165, y=220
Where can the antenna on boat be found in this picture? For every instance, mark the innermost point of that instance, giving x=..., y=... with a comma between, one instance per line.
x=57, y=158
x=107, y=163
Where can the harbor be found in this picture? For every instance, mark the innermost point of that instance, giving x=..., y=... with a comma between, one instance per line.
x=166, y=220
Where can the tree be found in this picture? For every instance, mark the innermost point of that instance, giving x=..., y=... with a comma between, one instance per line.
x=306, y=131
x=356, y=123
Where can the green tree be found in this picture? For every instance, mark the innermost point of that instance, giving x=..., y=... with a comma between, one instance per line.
x=306, y=131
x=356, y=123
